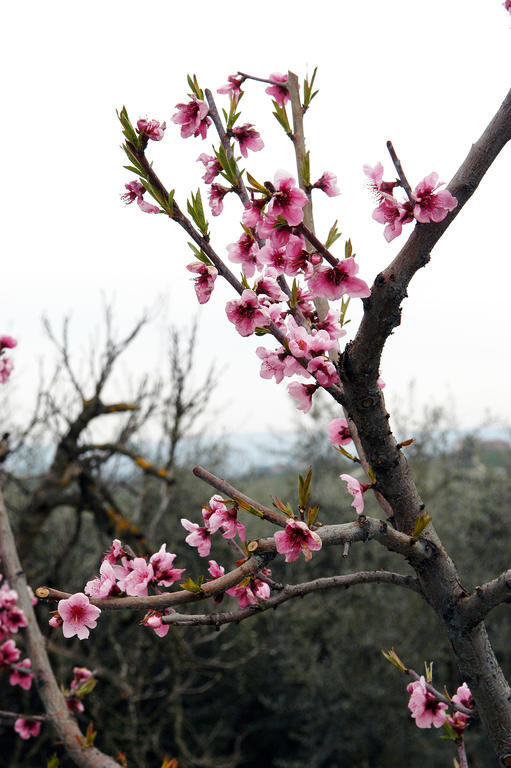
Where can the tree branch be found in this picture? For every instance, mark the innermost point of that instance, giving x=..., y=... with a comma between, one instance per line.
x=291, y=591
x=473, y=608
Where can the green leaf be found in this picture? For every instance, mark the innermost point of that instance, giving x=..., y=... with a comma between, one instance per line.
x=194, y=85
x=421, y=523
x=90, y=735
x=348, y=249
x=394, y=659
x=280, y=115
x=261, y=331
x=312, y=514
x=191, y=586
x=86, y=687
x=285, y=508
x=304, y=488
x=257, y=186
x=333, y=235
x=293, y=301
x=200, y=255
x=53, y=762
x=308, y=95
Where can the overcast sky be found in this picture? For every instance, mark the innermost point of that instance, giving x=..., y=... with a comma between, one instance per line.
x=429, y=76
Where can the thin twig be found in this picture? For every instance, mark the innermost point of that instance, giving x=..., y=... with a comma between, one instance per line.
x=399, y=169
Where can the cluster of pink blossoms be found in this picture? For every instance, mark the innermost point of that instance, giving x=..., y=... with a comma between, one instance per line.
x=120, y=573
x=217, y=515
x=427, y=711
x=6, y=364
x=427, y=204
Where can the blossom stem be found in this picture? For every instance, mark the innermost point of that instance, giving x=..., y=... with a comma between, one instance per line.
x=318, y=245
x=213, y=113
x=399, y=169
x=440, y=696
x=261, y=79
x=15, y=715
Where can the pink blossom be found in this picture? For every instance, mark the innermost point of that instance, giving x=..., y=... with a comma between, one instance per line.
x=245, y=252
x=204, y=280
x=274, y=257
x=7, y=341
x=507, y=5
x=303, y=393
x=380, y=383
x=246, y=313
x=357, y=490
x=339, y=432
x=276, y=229
x=331, y=325
x=233, y=86
x=324, y=371
x=216, y=198
x=135, y=192
x=298, y=338
x=463, y=696
x=9, y=653
x=426, y=711
x=27, y=728
x=74, y=704
x=106, y=584
x=81, y=674
x=116, y=552
x=225, y=518
x=248, y=138
x=334, y=282
x=164, y=572
x=6, y=367
x=215, y=570
x=138, y=578
x=77, y=615
x=278, y=92
x=377, y=185
x=192, y=118
x=458, y=721
x=430, y=206
x=252, y=214
x=296, y=538
x=55, y=621
x=250, y=591
x=272, y=365
x=268, y=286
x=212, y=166
x=21, y=674
x=328, y=184
x=393, y=214
x=13, y=618
x=287, y=200
x=152, y=129
x=298, y=259
x=153, y=619
x=199, y=537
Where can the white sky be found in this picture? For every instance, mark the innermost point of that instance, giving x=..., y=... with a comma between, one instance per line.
x=429, y=76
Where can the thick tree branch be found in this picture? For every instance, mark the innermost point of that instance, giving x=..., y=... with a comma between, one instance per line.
x=473, y=608
x=49, y=691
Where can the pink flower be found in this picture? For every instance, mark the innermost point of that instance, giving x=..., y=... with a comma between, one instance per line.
x=7, y=341
x=252, y=214
x=215, y=570
x=248, y=138
x=507, y=5
x=250, y=591
x=77, y=615
x=298, y=259
x=245, y=252
x=27, y=728
x=152, y=129
x=278, y=92
x=106, y=584
x=430, y=206
x=334, y=282
x=13, y=619
x=246, y=313
x=192, y=118
x=393, y=215
x=339, y=432
x=74, y=704
x=233, y=86
x=216, y=198
x=357, y=490
x=463, y=696
x=268, y=286
x=377, y=185
x=21, y=674
x=81, y=674
x=330, y=324
x=296, y=538
x=55, y=621
x=426, y=711
x=138, y=579
x=303, y=393
x=459, y=721
x=9, y=653
x=328, y=183
x=272, y=365
x=6, y=367
x=324, y=371
x=135, y=192
x=199, y=537
x=287, y=200
x=225, y=518
x=380, y=383
x=274, y=257
x=153, y=619
x=205, y=276
x=212, y=166
x=164, y=572
x=116, y=552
